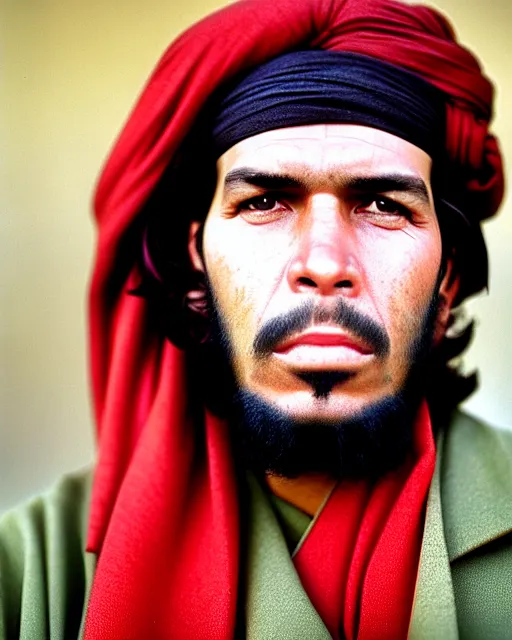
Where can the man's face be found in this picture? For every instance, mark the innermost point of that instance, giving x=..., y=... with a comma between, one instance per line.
x=323, y=251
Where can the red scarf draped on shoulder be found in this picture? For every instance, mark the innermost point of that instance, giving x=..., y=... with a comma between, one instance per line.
x=359, y=562
x=164, y=516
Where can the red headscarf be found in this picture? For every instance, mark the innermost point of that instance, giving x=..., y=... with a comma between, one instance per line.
x=164, y=518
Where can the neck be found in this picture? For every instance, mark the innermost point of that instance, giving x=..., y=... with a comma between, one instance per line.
x=307, y=492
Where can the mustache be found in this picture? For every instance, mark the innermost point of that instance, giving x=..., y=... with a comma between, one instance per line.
x=277, y=329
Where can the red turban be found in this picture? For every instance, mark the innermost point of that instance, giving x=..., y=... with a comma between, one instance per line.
x=164, y=518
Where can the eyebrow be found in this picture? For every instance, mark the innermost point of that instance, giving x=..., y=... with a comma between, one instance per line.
x=265, y=180
x=382, y=183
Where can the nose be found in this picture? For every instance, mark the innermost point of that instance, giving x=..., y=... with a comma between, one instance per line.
x=325, y=260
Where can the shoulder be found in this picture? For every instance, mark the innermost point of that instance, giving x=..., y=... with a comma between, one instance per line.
x=476, y=481
x=476, y=471
x=44, y=571
x=476, y=490
x=474, y=436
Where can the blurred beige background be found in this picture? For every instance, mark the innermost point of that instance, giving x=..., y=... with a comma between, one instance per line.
x=70, y=73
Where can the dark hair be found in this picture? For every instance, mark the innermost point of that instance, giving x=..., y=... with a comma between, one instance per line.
x=167, y=275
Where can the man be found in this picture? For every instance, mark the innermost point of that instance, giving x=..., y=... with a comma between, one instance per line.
x=286, y=223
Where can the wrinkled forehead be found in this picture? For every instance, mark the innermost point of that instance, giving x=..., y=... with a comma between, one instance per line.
x=323, y=156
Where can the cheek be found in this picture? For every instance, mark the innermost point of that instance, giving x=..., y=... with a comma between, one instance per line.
x=405, y=276
x=244, y=268
x=245, y=258
x=233, y=298
x=407, y=260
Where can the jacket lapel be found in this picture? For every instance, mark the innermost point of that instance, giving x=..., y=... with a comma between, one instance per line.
x=433, y=613
x=476, y=476
x=276, y=605
x=468, y=506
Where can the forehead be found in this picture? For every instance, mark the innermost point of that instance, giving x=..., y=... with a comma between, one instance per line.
x=327, y=147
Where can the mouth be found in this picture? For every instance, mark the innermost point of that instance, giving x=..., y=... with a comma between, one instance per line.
x=323, y=347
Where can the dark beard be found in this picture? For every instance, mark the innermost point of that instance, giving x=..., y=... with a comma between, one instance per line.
x=366, y=445
x=265, y=439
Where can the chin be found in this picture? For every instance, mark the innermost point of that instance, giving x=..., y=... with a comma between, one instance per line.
x=325, y=396
x=304, y=406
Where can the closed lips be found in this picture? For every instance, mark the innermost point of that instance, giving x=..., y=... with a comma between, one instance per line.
x=323, y=339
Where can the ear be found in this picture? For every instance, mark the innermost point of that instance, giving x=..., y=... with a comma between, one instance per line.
x=448, y=290
x=193, y=252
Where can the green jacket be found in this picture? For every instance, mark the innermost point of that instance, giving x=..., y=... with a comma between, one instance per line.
x=464, y=586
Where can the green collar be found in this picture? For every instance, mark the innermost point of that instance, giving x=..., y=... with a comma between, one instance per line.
x=468, y=506
x=476, y=484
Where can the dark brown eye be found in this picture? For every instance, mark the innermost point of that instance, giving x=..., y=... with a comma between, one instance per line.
x=261, y=203
x=263, y=209
x=381, y=206
x=384, y=205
